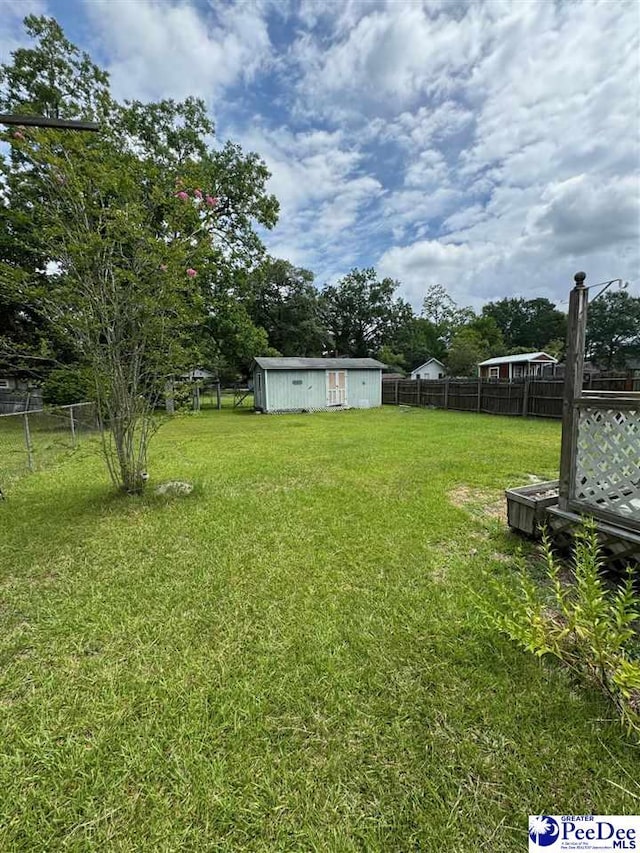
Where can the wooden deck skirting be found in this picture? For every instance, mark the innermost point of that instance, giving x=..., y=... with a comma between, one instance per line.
x=620, y=547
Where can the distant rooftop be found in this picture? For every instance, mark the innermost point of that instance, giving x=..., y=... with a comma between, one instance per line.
x=428, y=361
x=523, y=357
x=319, y=363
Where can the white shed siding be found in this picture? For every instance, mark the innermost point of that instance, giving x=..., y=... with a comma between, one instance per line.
x=296, y=389
x=364, y=388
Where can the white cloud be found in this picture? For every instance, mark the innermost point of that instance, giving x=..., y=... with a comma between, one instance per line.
x=307, y=167
x=389, y=58
x=416, y=130
x=323, y=192
x=173, y=49
x=342, y=17
x=582, y=215
x=548, y=183
x=428, y=262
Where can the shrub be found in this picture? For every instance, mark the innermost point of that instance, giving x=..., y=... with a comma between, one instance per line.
x=183, y=396
x=583, y=624
x=68, y=385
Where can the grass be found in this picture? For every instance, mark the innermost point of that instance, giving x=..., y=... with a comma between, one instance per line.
x=292, y=657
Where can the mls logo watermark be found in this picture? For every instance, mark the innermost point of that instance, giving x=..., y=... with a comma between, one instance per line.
x=586, y=833
x=543, y=831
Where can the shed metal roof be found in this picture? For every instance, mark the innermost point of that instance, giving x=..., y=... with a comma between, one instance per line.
x=319, y=363
x=514, y=359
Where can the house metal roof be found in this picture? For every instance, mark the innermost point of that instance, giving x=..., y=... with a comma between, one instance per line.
x=523, y=357
x=319, y=363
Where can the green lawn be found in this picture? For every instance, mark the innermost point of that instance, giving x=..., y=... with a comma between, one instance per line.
x=291, y=658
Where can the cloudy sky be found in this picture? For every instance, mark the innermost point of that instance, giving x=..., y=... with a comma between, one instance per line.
x=492, y=147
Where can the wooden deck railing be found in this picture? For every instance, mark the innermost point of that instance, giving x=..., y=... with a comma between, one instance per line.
x=604, y=475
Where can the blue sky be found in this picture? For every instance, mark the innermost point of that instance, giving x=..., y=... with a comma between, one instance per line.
x=492, y=147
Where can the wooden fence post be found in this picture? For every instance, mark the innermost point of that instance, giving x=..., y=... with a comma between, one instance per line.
x=418, y=391
x=576, y=329
x=479, y=407
x=397, y=394
x=525, y=398
x=446, y=394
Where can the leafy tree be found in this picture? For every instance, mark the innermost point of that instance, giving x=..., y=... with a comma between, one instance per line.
x=56, y=80
x=613, y=329
x=488, y=332
x=467, y=349
x=417, y=340
x=53, y=78
x=528, y=324
x=230, y=340
x=125, y=290
x=444, y=313
x=362, y=314
x=285, y=303
x=556, y=348
x=394, y=360
x=479, y=339
x=438, y=306
x=138, y=221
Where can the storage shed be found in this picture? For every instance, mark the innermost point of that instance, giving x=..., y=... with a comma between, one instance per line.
x=316, y=384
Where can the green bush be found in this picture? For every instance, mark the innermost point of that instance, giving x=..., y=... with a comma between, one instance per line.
x=583, y=624
x=183, y=396
x=68, y=385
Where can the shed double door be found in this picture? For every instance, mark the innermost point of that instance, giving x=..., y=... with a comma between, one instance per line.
x=336, y=388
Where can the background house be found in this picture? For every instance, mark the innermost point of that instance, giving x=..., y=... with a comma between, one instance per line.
x=516, y=366
x=431, y=369
x=15, y=395
x=632, y=365
x=316, y=384
x=198, y=373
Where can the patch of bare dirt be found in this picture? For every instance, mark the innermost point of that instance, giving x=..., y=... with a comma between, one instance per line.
x=485, y=503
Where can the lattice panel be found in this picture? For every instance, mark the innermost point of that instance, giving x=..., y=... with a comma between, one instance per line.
x=608, y=460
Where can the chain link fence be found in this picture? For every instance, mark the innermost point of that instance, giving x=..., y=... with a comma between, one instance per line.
x=31, y=440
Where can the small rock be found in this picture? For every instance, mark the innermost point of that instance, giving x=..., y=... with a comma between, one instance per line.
x=174, y=487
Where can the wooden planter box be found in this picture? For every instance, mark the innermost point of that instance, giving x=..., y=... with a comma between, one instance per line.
x=527, y=506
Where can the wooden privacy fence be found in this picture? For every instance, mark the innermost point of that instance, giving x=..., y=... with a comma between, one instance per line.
x=540, y=398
